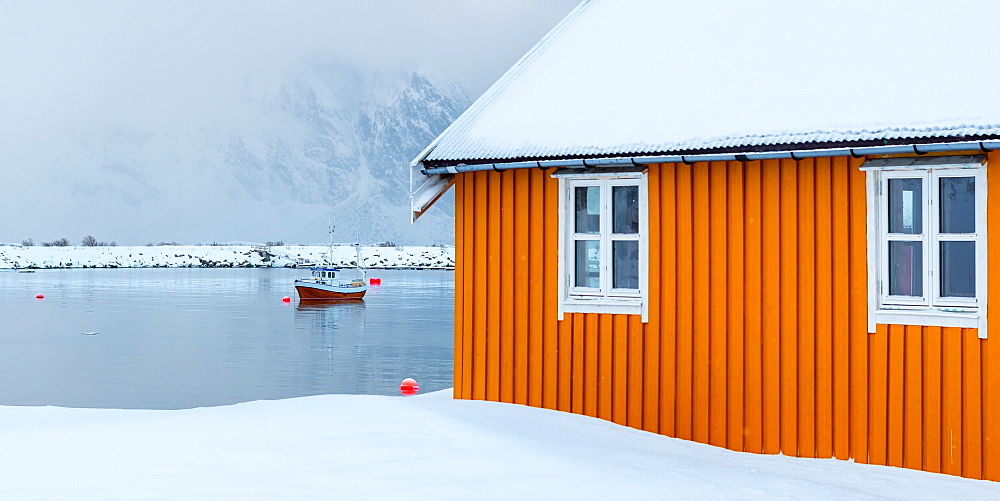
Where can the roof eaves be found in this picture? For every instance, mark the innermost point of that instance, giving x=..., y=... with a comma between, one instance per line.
x=757, y=148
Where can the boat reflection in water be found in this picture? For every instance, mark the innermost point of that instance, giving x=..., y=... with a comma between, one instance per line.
x=337, y=329
x=333, y=314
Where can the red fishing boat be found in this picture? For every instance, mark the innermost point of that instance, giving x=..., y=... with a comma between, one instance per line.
x=325, y=283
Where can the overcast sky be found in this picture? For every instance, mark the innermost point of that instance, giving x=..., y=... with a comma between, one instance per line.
x=67, y=61
x=112, y=94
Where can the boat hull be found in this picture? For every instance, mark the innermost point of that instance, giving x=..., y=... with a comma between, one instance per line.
x=322, y=291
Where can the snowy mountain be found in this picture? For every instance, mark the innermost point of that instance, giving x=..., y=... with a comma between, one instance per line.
x=330, y=143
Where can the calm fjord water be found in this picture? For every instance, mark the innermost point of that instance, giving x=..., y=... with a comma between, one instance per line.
x=189, y=337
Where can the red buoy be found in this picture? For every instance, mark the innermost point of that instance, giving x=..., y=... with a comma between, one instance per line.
x=39, y=296
x=286, y=299
x=375, y=281
x=408, y=387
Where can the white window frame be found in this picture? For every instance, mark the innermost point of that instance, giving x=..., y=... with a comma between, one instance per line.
x=605, y=299
x=931, y=309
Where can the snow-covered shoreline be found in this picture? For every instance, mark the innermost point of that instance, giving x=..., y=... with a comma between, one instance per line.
x=222, y=256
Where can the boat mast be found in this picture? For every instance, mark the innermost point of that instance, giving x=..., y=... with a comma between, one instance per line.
x=330, y=251
x=357, y=250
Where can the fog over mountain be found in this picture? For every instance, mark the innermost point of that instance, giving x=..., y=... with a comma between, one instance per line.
x=140, y=122
x=331, y=145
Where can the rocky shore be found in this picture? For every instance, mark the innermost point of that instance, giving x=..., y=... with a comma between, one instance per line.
x=223, y=256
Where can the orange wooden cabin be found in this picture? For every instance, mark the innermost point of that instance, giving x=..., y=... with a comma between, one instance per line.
x=771, y=289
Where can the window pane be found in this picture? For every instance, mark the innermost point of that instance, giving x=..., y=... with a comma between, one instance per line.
x=625, y=264
x=905, y=202
x=906, y=262
x=588, y=209
x=625, y=200
x=958, y=205
x=958, y=269
x=588, y=263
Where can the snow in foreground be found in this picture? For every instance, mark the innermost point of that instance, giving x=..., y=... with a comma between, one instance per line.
x=424, y=447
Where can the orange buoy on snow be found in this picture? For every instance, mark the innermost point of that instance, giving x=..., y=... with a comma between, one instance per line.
x=408, y=387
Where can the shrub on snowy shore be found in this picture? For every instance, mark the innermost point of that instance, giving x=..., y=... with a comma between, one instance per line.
x=62, y=242
x=90, y=241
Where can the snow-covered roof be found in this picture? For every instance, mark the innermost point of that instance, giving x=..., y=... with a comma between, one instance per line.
x=620, y=77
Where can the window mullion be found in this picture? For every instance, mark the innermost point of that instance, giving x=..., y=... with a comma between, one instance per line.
x=932, y=252
x=904, y=237
x=956, y=237
x=605, y=238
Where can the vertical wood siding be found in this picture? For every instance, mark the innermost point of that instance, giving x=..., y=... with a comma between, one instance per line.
x=757, y=336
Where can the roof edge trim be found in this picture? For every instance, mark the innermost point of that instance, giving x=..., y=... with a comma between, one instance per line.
x=631, y=161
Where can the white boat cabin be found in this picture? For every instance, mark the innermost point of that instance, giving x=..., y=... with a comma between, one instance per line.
x=325, y=273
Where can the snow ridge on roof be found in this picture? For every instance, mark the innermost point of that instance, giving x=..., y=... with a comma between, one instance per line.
x=640, y=76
